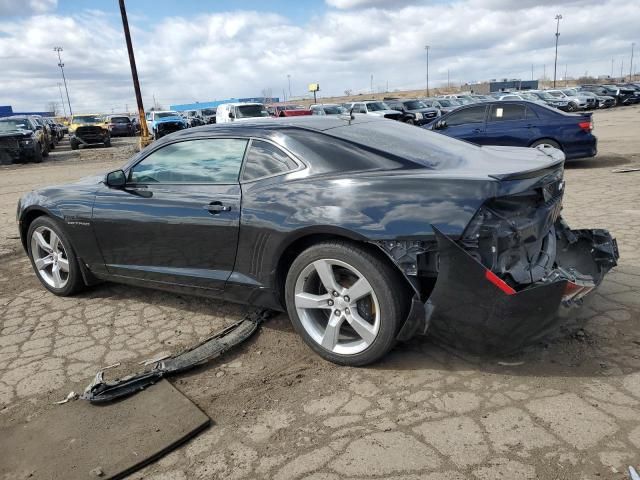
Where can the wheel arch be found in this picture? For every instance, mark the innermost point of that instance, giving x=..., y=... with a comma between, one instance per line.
x=547, y=138
x=309, y=237
x=27, y=218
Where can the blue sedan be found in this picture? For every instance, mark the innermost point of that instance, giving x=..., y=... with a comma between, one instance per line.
x=520, y=124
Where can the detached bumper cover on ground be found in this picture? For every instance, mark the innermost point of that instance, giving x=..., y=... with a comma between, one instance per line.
x=101, y=392
x=473, y=309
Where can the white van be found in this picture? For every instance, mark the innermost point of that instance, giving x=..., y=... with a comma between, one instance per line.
x=238, y=112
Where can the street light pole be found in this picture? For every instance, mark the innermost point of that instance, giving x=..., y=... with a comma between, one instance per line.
x=64, y=109
x=144, y=130
x=289, y=81
x=61, y=65
x=633, y=44
x=426, y=47
x=555, y=62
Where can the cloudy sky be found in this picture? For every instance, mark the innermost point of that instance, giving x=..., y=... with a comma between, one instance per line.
x=192, y=50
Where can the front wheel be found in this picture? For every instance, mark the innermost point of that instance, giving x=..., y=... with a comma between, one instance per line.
x=572, y=107
x=53, y=258
x=345, y=303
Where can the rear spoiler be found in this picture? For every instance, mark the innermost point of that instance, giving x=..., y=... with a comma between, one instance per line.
x=537, y=172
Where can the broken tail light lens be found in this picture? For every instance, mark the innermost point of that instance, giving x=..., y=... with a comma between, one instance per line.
x=574, y=292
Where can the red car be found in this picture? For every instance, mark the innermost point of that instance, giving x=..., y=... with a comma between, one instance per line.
x=287, y=111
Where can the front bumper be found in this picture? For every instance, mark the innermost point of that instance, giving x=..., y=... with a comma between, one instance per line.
x=470, y=308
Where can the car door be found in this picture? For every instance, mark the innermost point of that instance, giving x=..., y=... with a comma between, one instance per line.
x=466, y=124
x=177, y=219
x=508, y=124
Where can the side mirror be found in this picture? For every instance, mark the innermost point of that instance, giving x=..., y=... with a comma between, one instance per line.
x=231, y=115
x=115, y=179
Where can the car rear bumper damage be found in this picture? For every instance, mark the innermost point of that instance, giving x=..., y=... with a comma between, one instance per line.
x=473, y=309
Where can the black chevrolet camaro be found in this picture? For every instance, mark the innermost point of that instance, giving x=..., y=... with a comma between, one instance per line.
x=366, y=231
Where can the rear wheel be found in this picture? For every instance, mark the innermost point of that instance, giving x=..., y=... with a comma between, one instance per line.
x=345, y=303
x=572, y=106
x=74, y=145
x=547, y=142
x=52, y=258
x=37, y=155
x=107, y=142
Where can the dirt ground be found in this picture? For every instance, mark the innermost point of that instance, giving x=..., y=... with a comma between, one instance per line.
x=568, y=408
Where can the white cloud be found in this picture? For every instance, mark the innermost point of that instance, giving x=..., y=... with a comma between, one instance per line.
x=349, y=4
x=237, y=54
x=26, y=7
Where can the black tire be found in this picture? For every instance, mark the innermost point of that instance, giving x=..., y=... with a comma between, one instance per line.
x=37, y=156
x=107, y=142
x=74, y=145
x=546, y=141
x=74, y=283
x=386, y=282
x=410, y=121
x=572, y=107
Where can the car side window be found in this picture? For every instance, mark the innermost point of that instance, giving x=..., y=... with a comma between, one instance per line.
x=468, y=115
x=212, y=160
x=359, y=108
x=507, y=112
x=265, y=159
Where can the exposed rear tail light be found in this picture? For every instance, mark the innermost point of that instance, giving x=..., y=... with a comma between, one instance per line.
x=498, y=282
x=587, y=125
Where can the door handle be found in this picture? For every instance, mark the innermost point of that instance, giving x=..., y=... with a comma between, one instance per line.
x=477, y=130
x=216, y=207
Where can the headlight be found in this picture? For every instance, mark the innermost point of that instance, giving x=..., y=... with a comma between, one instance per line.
x=26, y=142
x=419, y=116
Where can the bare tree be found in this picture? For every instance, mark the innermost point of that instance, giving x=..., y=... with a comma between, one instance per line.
x=348, y=92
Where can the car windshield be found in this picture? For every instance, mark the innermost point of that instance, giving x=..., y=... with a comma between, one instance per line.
x=120, y=120
x=545, y=96
x=87, y=119
x=447, y=102
x=529, y=96
x=13, y=124
x=414, y=105
x=208, y=111
x=166, y=114
x=377, y=106
x=333, y=110
x=249, y=111
x=464, y=101
x=557, y=94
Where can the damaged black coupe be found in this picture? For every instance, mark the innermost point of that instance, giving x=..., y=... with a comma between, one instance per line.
x=365, y=231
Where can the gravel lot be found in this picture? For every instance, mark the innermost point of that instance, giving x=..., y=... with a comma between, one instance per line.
x=566, y=409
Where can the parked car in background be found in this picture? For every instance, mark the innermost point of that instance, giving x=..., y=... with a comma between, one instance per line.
x=375, y=108
x=327, y=109
x=550, y=100
x=240, y=112
x=414, y=111
x=631, y=90
x=161, y=123
x=521, y=124
x=119, y=125
x=603, y=101
x=445, y=105
x=574, y=103
x=208, y=115
x=22, y=140
x=592, y=102
x=323, y=218
x=622, y=97
x=49, y=133
x=278, y=110
x=464, y=99
x=193, y=118
x=88, y=130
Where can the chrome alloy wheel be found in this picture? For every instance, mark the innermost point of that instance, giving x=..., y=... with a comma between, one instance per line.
x=50, y=257
x=337, y=306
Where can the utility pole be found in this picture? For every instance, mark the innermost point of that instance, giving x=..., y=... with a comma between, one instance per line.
x=565, y=75
x=427, y=47
x=64, y=109
x=289, y=81
x=448, y=82
x=532, y=71
x=612, y=68
x=555, y=62
x=633, y=44
x=621, y=69
x=372, y=83
x=145, y=138
x=61, y=65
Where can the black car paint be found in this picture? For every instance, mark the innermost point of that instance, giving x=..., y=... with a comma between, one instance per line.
x=156, y=236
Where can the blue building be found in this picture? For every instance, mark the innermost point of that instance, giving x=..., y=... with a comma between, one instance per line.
x=202, y=105
x=7, y=111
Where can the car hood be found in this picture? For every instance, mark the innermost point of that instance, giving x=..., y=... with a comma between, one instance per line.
x=169, y=119
x=16, y=134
